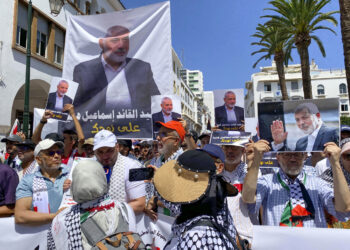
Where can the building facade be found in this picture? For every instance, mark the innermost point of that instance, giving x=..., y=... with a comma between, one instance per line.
x=325, y=84
x=47, y=50
x=194, y=79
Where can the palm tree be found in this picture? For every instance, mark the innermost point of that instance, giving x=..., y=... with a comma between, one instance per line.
x=345, y=31
x=277, y=43
x=301, y=18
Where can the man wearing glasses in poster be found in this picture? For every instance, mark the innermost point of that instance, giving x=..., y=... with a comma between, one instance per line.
x=39, y=195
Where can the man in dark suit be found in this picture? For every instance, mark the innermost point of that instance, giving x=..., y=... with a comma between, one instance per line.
x=308, y=120
x=58, y=99
x=229, y=113
x=166, y=114
x=113, y=81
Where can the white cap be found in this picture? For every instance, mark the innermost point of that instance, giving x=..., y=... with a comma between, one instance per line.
x=104, y=138
x=46, y=144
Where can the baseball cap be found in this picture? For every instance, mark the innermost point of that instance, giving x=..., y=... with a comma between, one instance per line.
x=89, y=141
x=104, y=138
x=345, y=128
x=205, y=133
x=14, y=138
x=174, y=125
x=27, y=142
x=55, y=137
x=46, y=144
x=214, y=150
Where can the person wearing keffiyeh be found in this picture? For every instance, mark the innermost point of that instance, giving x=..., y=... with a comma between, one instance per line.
x=291, y=197
x=89, y=190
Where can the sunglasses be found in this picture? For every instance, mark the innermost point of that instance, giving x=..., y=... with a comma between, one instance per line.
x=53, y=152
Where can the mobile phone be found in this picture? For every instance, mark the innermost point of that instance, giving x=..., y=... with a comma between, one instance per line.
x=141, y=174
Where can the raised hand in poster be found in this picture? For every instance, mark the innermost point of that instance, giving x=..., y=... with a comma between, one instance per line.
x=303, y=125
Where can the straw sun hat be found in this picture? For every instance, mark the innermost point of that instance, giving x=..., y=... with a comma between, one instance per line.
x=188, y=179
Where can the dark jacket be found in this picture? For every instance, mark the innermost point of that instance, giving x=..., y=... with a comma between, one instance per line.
x=158, y=117
x=221, y=115
x=51, y=101
x=91, y=93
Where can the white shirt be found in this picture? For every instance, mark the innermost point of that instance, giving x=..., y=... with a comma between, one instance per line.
x=133, y=189
x=231, y=115
x=59, y=102
x=311, y=138
x=167, y=118
x=322, y=166
x=117, y=94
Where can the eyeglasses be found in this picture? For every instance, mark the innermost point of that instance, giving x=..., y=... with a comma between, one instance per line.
x=165, y=135
x=346, y=157
x=53, y=152
x=290, y=155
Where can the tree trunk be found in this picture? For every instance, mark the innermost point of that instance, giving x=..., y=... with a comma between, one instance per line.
x=345, y=31
x=281, y=77
x=305, y=69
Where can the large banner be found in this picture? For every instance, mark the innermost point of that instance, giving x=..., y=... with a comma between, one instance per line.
x=303, y=125
x=120, y=60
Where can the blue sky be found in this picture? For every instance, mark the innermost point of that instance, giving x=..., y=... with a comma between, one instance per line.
x=215, y=37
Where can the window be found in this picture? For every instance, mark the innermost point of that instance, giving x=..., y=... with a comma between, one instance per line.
x=41, y=42
x=58, y=47
x=294, y=86
x=320, y=89
x=342, y=88
x=267, y=87
x=344, y=107
x=21, y=34
x=21, y=37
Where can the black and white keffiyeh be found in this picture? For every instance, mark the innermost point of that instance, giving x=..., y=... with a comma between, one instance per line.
x=327, y=175
x=205, y=237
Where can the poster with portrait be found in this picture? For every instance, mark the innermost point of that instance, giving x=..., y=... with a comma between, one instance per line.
x=229, y=109
x=120, y=60
x=165, y=108
x=302, y=125
x=62, y=92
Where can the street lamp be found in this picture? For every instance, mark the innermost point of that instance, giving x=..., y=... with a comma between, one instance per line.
x=56, y=6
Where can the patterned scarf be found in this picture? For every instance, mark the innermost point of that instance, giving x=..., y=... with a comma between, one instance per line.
x=116, y=186
x=75, y=217
x=327, y=175
x=299, y=207
x=40, y=195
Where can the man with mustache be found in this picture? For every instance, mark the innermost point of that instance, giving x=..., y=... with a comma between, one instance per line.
x=39, y=195
x=308, y=120
x=114, y=80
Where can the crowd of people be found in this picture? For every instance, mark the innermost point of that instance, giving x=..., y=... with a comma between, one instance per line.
x=216, y=193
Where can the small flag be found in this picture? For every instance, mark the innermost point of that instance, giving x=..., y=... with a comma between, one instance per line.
x=15, y=128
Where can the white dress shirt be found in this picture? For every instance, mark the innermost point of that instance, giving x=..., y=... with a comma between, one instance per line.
x=59, y=102
x=167, y=118
x=117, y=95
x=311, y=138
x=231, y=115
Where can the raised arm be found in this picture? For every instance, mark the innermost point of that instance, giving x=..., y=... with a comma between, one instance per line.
x=36, y=138
x=255, y=152
x=78, y=128
x=341, y=189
